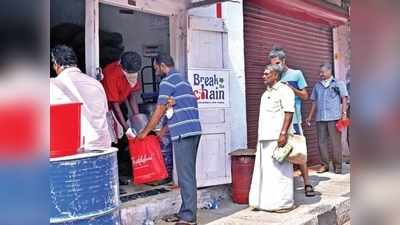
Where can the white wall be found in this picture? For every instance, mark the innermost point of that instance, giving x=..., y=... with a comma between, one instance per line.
x=232, y=13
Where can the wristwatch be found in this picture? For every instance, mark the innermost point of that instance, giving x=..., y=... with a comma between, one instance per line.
x=283, y=132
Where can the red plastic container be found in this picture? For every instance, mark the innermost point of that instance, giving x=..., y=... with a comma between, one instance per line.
x=242, y=173
x=65, y=129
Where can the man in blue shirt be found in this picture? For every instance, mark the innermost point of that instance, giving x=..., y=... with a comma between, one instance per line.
x=295, y=80
x=185, y=130
x=330, y=100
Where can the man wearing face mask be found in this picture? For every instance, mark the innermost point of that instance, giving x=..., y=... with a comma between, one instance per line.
x=185, y=130
x=329, y=98
x=122, y=85
x=296, y=81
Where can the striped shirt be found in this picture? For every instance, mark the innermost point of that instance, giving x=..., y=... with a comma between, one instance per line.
x=185, y=121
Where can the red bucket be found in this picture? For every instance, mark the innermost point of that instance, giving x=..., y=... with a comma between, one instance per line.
x=65, y=129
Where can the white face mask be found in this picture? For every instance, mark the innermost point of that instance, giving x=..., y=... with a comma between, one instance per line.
x=170, y=112
x=132, y=78
x=327, y=82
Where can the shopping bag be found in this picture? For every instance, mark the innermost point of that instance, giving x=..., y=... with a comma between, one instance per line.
x=342, y=124
x=298, y=155
x=147, y=161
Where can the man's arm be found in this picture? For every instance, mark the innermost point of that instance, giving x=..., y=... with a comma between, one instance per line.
x=154, y=120
x=344, y=107
x=120, y=116
x=311, y=114
x=133, y=103
x=284, y=132
x=300, y=90
x=303, y=94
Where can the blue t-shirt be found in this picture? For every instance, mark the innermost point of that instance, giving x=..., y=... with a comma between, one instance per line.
x=296, y=79
x=185, y=121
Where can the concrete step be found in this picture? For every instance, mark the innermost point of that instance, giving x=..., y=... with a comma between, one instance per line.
x=331, y=206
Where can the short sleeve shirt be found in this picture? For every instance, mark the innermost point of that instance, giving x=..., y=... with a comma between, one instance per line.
x=274, y=103
x=185, y=121
x=327, y=100
x=116, y=85
x=296, y=79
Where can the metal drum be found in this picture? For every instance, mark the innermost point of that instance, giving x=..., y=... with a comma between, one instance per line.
x=84, y=189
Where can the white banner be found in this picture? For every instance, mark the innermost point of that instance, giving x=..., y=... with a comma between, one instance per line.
x=211, y=87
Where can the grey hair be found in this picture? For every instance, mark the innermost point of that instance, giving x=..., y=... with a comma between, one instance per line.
x=277, y=52
x=327, y=66
x=277, y=68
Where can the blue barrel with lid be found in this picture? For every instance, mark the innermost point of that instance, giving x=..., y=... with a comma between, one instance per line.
x=84, y=189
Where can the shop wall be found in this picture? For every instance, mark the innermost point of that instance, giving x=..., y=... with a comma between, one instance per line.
x=138, y=30
x=232, y=13
x=342, y=41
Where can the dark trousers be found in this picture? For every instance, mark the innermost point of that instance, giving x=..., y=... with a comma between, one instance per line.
x=185, y=150
x=326, y=130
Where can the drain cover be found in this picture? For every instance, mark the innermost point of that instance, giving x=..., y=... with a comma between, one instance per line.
x=144, y=194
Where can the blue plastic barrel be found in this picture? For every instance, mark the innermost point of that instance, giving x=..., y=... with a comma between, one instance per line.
x=84, y=189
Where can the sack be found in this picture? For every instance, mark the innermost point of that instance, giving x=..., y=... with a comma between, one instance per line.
x=298, y=155
x=281, y=153
x=147, y=161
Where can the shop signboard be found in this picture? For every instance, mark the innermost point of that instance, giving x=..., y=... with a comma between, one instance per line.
x=211, y=87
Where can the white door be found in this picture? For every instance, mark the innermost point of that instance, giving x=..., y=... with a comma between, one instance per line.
x=206, y=44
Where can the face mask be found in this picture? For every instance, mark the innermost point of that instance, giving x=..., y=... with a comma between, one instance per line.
x=132, y=78
x=169, y=113
x=327, y=82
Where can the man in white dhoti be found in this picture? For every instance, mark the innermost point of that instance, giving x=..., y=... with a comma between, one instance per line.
x=272, y=184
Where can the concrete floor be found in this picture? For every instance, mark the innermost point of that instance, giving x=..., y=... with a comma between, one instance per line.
x=330, y=206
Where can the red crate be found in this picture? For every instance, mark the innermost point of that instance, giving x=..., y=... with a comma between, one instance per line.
x=65, y=129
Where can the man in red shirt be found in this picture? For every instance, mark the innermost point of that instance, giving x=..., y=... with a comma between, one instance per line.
x=121, y=84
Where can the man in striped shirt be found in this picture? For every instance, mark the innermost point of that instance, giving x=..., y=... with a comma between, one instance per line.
x=185, y=129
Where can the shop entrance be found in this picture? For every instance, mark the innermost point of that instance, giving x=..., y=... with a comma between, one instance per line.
x=124, y=29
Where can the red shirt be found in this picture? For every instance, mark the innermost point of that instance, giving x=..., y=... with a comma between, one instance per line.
x=116, y=85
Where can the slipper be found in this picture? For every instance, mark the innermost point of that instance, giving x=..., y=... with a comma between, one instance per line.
x=309, y=190
x=182, y=222
x=283, y=210
x=172, y=218
x=323, y=169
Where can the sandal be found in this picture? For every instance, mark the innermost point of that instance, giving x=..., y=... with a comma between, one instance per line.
x=283, y=210
x=182, y=222
x=172, y=218
x=309, y=190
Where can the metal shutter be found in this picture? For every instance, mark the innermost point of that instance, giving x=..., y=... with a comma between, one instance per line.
x=307, y=45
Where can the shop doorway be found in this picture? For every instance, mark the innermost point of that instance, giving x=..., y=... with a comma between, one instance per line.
x=125, y=29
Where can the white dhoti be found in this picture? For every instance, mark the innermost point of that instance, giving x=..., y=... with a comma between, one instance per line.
x=272, y=183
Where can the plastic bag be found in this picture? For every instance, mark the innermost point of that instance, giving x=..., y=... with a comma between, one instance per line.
x=147, y=161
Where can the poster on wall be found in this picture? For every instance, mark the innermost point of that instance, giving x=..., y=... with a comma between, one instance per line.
x=211, y=87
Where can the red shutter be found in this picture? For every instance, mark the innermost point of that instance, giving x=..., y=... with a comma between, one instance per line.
x=307, y=46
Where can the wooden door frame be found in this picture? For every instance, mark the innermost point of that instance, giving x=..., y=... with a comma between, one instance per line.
x=177, y=20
